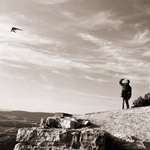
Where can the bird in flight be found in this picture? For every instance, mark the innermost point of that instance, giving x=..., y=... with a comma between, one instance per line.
x=13, y=29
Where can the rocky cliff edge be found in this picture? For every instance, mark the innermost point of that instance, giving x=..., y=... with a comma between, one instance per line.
x=113, y=130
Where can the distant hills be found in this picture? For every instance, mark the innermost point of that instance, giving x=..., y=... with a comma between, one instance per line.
x=11, y=121
x=24, y=115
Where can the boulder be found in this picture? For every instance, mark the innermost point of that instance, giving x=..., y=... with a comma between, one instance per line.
x=83, y=123
x=65, y=123
x=124, y=142
x=53, y=122
x=62, y=115
x=74, y=139
x=48, y=139
x=21, y=146
x=69, y=123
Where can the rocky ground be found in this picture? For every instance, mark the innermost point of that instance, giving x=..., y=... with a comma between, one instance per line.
x=73, y=139
x=133, y=122
x=110, y=130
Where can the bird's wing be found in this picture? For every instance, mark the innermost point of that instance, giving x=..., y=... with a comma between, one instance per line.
x=17, y=29
x=13, y=29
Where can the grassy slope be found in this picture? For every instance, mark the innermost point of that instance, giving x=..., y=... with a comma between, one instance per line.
x=134, y=122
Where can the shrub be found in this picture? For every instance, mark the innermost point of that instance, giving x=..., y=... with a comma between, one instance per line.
x=142, y=101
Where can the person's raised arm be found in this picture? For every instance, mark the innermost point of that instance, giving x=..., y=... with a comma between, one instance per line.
x=120, y=82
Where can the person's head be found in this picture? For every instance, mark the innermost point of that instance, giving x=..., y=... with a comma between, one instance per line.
x=128, y=81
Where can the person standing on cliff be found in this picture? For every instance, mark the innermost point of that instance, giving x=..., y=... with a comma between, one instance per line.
x=126, y=92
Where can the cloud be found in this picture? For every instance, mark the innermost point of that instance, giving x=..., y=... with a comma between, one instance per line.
x=107, y=48
x=93, y=39
x=93, y=79
x=104, y=19
x=17, y=66
x=27, y=36
x=141, y=38
x=110, y=50
x=8, y=76
x=87, y=95
x=50, y=2
x=146, y=54
x=116, y=59
x=136, y=78
x=47, y=87
x=69, y=15
x=21, y=18
x=25, y=55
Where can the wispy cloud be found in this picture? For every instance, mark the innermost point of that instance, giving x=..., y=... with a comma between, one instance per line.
x=88, y=95
x=107, y=48
x=94, y=79
x=26, y=36
x=141, y=38
x=17, y=66
x=69, y=15
x=50, y=2
x=110, y=49
x=95, y=40
x=117, y=59
x=25, y=55
x=104, y=19
x=146, y=54
x=21, y=18
x=47, y=87
x=8, y=76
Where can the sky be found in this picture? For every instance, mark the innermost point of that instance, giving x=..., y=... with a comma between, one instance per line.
x=71, y=54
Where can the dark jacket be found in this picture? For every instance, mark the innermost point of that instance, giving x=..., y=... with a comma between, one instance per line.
x=126, y=90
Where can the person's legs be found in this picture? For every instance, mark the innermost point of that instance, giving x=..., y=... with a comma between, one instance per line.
x=123, y=104
x=127, y=104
